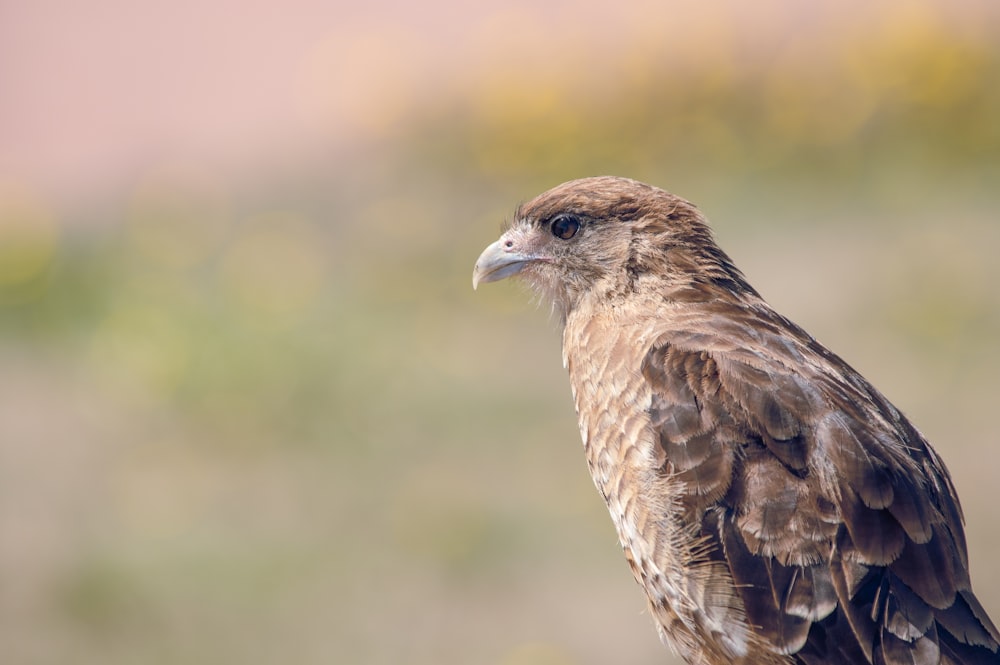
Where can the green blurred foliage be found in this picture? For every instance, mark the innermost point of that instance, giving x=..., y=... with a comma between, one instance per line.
x=279, y=422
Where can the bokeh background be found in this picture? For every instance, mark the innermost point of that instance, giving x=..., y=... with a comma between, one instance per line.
x=251, y=410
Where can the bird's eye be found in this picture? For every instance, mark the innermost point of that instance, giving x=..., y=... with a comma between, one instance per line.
x=565, y=226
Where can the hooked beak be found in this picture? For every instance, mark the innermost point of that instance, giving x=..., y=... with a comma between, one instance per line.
x=498, y=261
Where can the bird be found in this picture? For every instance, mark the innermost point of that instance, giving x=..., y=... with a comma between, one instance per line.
x=774, y=506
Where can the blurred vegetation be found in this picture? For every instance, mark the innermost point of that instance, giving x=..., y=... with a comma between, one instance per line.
x=908, y=96
x=239, y=423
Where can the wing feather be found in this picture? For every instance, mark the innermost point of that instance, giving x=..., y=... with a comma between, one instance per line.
x=836, y=520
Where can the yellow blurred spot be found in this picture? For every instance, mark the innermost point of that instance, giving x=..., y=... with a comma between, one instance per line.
x=810, y=101
x=28, y=236
x=916, y=56
x=537, y=653
x=276, y=267
x=139, y=343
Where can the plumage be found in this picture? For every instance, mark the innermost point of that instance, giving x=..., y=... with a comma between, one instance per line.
x=773, y=505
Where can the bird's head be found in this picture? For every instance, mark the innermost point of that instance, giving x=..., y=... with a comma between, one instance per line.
x=606, y=233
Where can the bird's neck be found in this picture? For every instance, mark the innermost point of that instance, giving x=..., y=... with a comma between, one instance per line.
x=627, y=326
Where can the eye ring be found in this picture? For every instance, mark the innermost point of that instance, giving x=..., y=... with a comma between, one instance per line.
x=565, y=226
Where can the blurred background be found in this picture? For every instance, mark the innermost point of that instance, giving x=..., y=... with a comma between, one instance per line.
x=251, y=410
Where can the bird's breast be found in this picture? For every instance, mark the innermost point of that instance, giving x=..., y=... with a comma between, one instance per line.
x=612, y=400
x=690, y=597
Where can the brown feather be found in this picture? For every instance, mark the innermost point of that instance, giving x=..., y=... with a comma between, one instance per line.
x=877, y=537
x=916, y=563
x=894, y=651
x=915, y=514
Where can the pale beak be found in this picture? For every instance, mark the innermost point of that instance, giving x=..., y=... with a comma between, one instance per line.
x=498, y=261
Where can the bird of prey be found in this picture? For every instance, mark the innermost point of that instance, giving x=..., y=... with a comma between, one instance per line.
x=773, y=505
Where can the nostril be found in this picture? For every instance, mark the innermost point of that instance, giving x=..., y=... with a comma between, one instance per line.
x=509, y=244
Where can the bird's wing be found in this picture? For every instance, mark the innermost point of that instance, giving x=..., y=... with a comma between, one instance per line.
x=839, y=524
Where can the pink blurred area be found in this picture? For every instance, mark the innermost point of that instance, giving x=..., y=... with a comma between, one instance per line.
x=94, y=93
x=95, y=90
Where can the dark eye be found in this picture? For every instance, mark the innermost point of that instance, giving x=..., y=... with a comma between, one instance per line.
x=565, y=226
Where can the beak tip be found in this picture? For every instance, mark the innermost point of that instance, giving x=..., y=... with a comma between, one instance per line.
x=476, y=274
